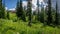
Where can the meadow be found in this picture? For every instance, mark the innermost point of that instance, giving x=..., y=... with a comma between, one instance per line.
x=14, y=26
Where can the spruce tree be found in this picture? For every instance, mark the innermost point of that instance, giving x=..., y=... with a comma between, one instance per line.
x=42, y=15
x=49, y=13
x=38, y=18
x=8, y=15
x=4, y=14
x=2, y=9
x=30, y=12
x=19, y=11
x=56, y=16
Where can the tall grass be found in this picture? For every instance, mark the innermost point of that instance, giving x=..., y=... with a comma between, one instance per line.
x=20, y=27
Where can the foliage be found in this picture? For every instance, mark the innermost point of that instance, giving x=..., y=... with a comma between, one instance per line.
x=20, y=27
x=30, y=12
x=49, y=13
x=57, y=15
x=19, y=11
x=8, y=15
x=2, y=9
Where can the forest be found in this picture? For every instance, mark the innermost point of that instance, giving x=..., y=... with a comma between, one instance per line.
x=23, y=21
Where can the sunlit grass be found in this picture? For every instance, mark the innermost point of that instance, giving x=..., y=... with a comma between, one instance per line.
x=8, y=26
x=20, y=27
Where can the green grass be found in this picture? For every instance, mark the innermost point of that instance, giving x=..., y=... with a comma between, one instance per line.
x=19, y=27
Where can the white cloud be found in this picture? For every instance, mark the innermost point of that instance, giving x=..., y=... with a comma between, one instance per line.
x=12, y=9
x=6, y=8
x=34, y=4
x=41, y=0
x=24, y=3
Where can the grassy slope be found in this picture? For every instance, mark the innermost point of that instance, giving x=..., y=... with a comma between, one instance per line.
x=10, y=27
x=20, y=27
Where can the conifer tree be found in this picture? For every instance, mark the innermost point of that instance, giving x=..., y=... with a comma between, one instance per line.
x=42, y=15
x=49, y=13
x=8, y=15
x=38, y=11
x=2, y=9
x=30, y=12
x=56, y=18
x=19, y=11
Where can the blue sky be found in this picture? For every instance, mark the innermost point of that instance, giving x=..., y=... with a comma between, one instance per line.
x=10, y=3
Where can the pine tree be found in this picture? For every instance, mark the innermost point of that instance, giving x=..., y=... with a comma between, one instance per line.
x=2, y=9
x=42, y=15
x=30, y=12
x=38, y=11
x=4, y=14
x=56, y=18
x=8, y=15
x=49, y=13
x=20, y=13
x=17, y=9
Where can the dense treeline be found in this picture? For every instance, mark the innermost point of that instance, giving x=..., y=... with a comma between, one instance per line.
x=49, y=16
